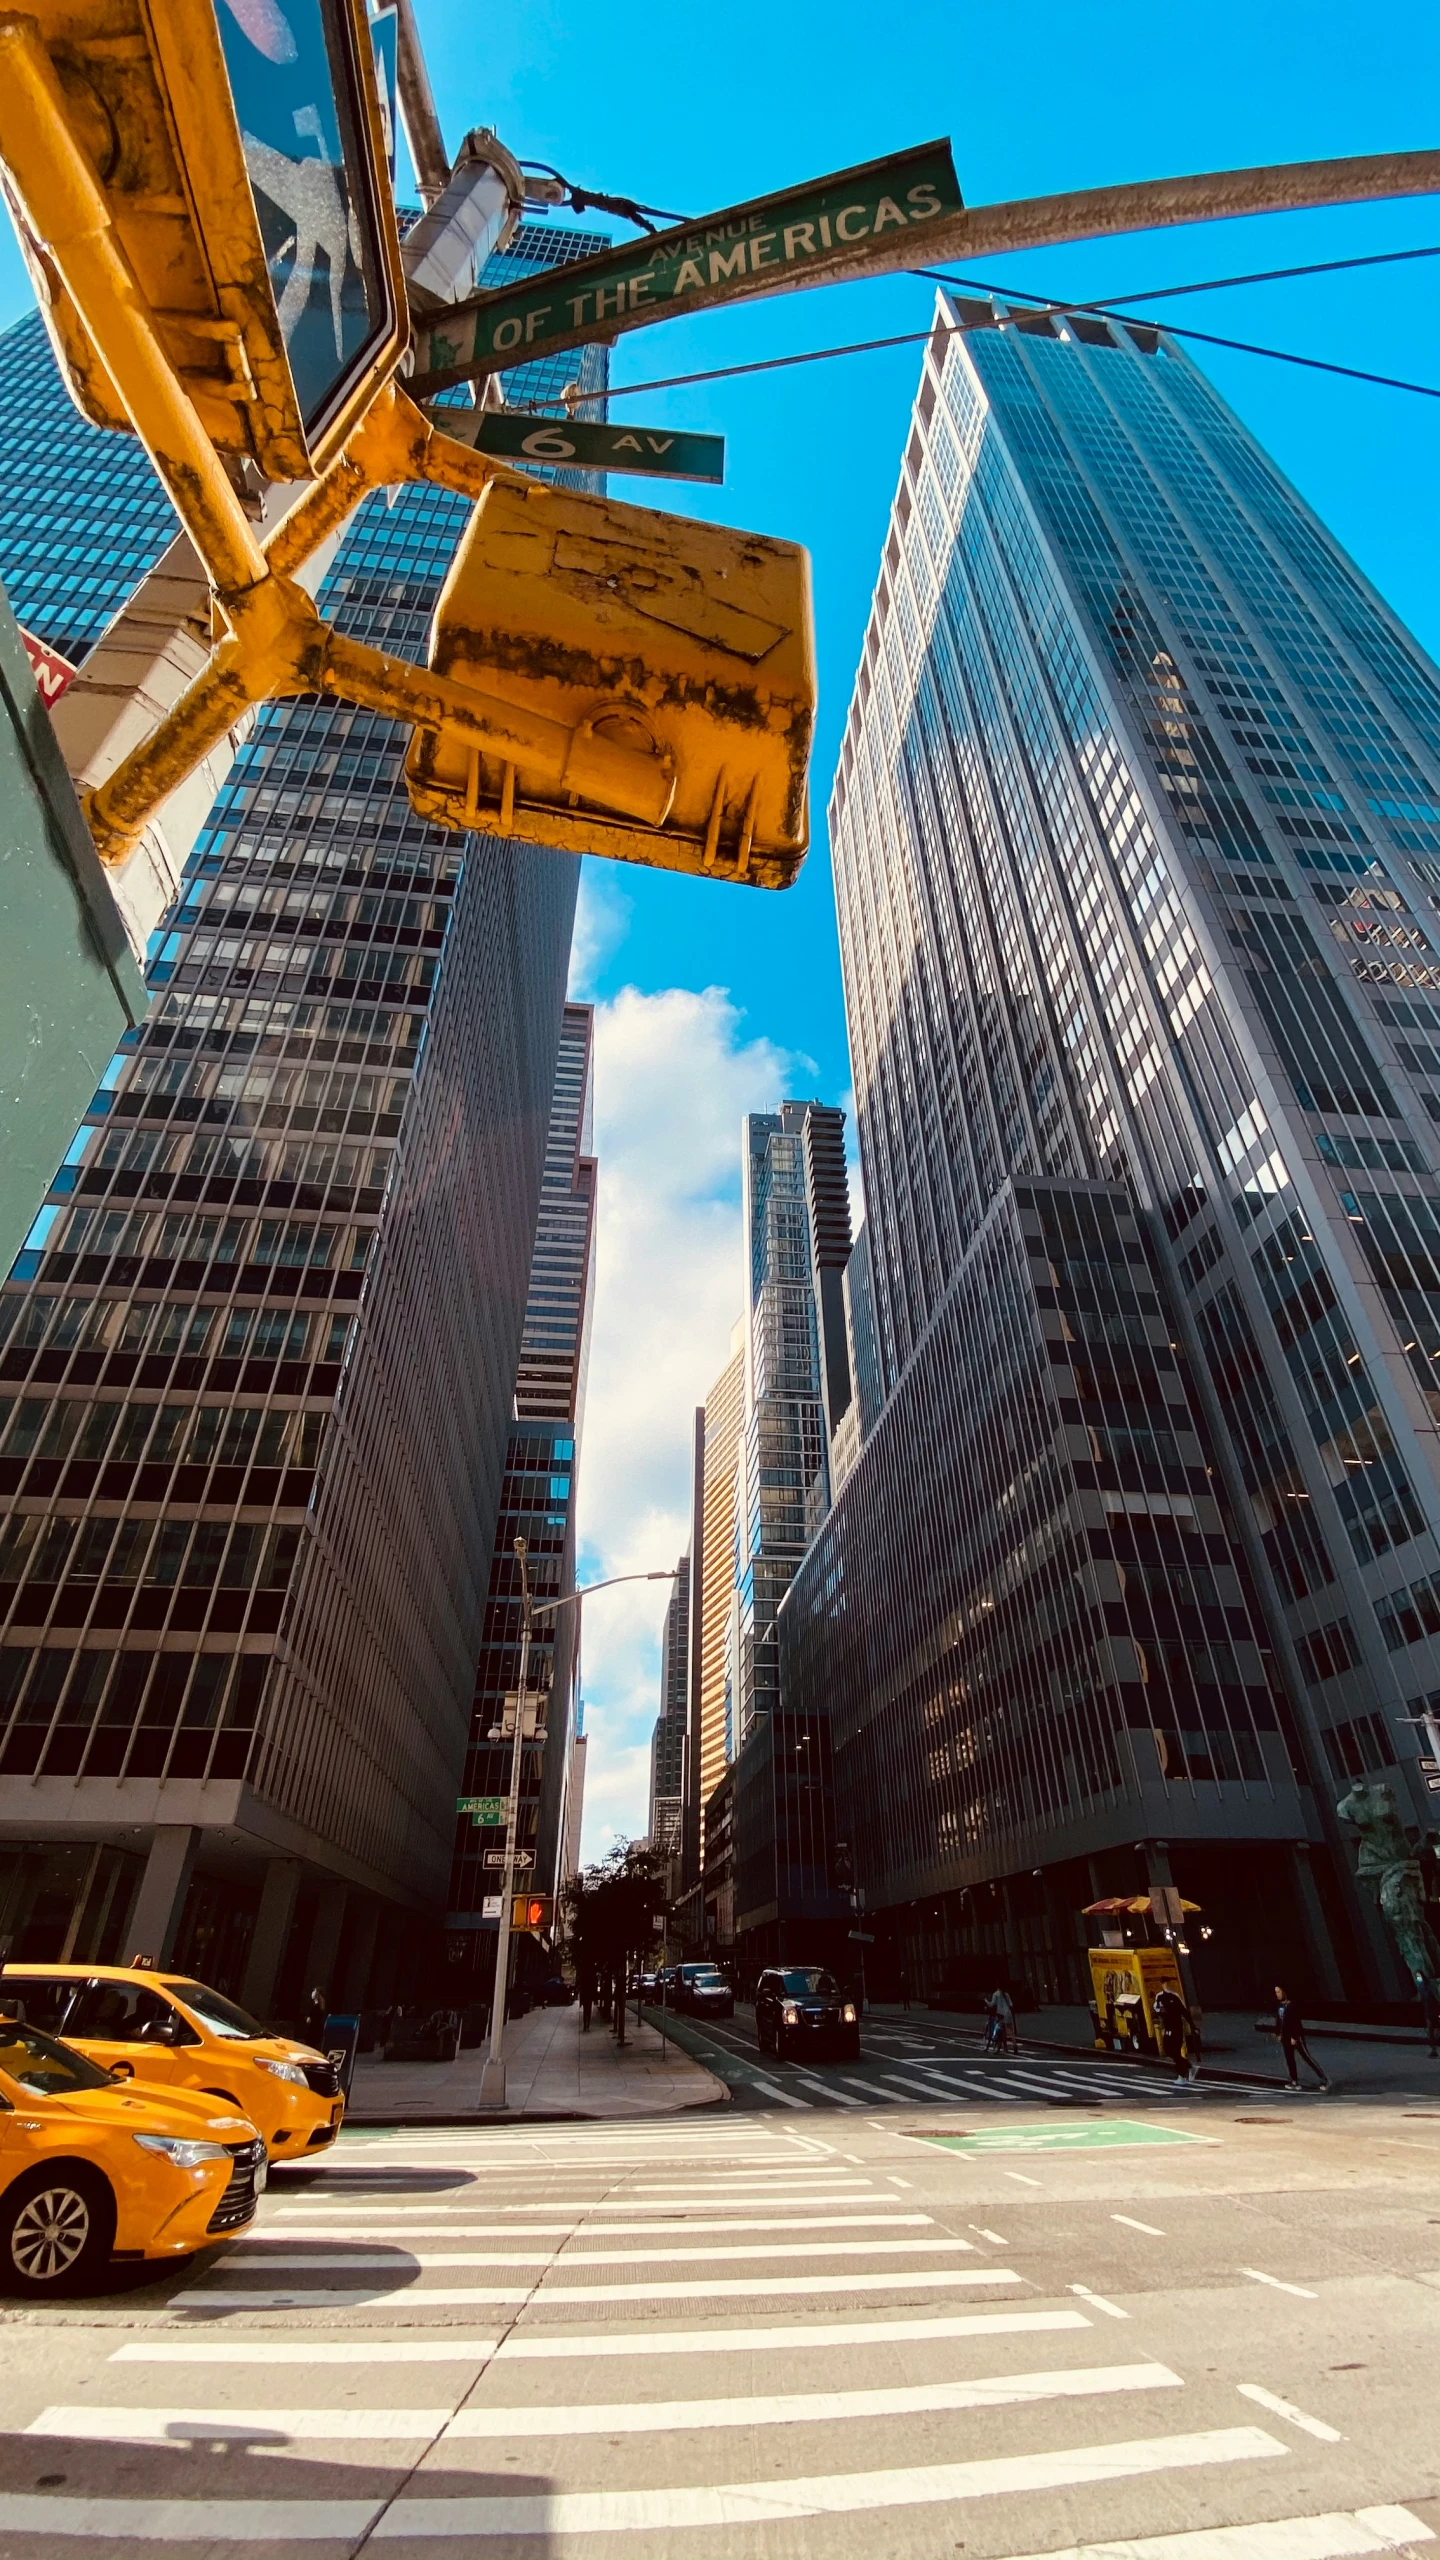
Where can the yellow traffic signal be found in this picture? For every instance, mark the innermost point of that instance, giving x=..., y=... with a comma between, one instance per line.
x=237, y=148
x=660, y=675
x=532, y=1911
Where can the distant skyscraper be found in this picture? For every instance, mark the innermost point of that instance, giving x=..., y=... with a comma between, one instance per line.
x=260, y=1351
x=797, y=1376
x=575, y=1798
x=1137, y=853
x=712, y=1588
x=537, y=1503
x=667, y=1742
x=555, y=1350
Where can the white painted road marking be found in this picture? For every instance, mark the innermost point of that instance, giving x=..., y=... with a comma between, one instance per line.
x=278, y=2253
x=219, y=2426
x=268, y=2350
x=1286, y=2409
x=1099, y=2302
x=471, y=2297
x=741, y=2502
x=1131, y=2224
x=645, y=2417
x=1339, y=2536
x=893, y=2219
x=198, y=2520
x=1257, y=2276
x=529, y=2346
x=1020, y=2178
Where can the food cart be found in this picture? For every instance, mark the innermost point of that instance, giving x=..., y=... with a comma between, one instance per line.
x=1132, y=1957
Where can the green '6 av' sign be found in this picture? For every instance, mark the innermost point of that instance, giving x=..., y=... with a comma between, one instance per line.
x=778, y=241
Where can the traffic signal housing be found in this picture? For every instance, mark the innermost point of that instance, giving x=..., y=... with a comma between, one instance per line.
x=239, y=154
x=533, y=1911
x=667, y=668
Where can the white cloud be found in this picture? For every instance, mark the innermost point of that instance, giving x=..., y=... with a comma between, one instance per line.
x=602, y=920
x=674, y=1073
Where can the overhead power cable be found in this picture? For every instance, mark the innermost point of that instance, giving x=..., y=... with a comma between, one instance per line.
x=1044, y=304
x=1211, y=284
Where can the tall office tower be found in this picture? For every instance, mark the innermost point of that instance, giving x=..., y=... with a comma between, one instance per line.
x=575, y=1797
x=1137, y=857
x=260, y=1350
x=82, y=515
x=797, y=1375
x=718, y=1425
x=555, y=1347
x=537, y=1504
x=667, y=1742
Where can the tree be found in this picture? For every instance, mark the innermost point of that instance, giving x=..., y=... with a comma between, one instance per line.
x=613, y=1911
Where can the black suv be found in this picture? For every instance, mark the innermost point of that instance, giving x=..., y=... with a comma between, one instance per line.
x=800, y=2008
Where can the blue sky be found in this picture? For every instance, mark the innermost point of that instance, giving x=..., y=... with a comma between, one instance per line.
x=711, y=1000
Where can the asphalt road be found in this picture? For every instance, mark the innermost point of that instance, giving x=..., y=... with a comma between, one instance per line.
x=914, y=2056
x=1148, y=2331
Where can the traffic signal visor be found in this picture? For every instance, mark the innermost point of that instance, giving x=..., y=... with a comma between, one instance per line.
x=239, y=150
x=661, y=678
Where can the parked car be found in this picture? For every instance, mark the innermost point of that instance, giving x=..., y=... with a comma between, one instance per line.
x=557, y=1993
x=800, y=2008
x=701, y=1991
x=647, y=1985
x=93, y=2167
x=165, y=2028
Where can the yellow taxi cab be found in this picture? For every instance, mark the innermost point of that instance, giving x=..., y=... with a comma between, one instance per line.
x=95, y=2171
x=164, y=2028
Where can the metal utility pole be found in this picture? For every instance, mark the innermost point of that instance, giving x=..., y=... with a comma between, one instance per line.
x=418, y=112
x=492, y=2078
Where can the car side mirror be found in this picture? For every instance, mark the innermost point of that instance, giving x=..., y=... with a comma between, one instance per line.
x=122, y=2071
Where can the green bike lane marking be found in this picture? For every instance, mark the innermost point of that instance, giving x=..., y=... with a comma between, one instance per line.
x=1095, y=2133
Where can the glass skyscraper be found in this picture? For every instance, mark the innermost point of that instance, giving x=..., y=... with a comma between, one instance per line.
x=1136, y=838
x=257, y=1360
x=537, y=1503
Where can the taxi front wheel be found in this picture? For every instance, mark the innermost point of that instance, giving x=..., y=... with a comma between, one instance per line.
x=57, y=2229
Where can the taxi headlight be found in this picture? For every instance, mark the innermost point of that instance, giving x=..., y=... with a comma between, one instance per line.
x=790, y=2014
x=283, y=2070
x=185, y=2154
x=848, y=2013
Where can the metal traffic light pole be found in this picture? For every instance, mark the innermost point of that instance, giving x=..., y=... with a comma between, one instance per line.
x=492, y=2078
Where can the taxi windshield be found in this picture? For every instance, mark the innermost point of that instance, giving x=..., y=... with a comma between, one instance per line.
x=39, y=2063
x=219, y=2014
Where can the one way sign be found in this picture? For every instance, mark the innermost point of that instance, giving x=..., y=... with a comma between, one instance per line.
x=570, y=443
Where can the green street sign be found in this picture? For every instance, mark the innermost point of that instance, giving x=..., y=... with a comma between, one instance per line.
x=482, y=1809
x=797, y=237
x=1096, y=2133
x=664, y=455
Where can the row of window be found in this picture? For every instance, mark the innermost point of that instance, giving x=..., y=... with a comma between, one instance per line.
x=198, y=1554
x=38, y=1318
x=225, y=1435
x=128, y=1714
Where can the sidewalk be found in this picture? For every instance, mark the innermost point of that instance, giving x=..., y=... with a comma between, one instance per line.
x=1364, y=2060
x=553, y=2072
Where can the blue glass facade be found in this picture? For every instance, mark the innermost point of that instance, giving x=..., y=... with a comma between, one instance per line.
x=1137, y=854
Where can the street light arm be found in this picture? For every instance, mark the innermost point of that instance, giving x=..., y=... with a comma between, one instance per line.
x=566, y=1598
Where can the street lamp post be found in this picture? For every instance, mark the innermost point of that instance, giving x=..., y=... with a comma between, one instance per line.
x=492, y=2078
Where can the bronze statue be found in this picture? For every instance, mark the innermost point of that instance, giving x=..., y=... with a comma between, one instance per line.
x=1388, y=1854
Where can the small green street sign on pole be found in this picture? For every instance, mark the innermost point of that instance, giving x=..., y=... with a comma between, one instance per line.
x=483, y=1810
x=795, y=237
x=656, y=450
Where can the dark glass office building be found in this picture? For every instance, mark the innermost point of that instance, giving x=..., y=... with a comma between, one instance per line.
x=257, y=1360
x=1136, y=836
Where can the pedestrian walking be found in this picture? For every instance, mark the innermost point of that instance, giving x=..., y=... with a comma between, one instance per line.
x=1290, y=2028
x=587, y=1997
x=1176, y=2023
x=1000, y=2011
x=904, y=1986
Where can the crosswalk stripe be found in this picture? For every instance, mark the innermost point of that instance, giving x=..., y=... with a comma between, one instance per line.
x=772, y=2089
x=269, y=2254
x=528, y=2346
x=1337, y=2536
x=597, y=2230
x=740, y=2502
x=824, y=2088
x=448, y=2297
x=200, y=2520
x=795, y=2408
x=270, y=2350
x=332, y=2211
x=917, y=2088
x=218, y=2426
